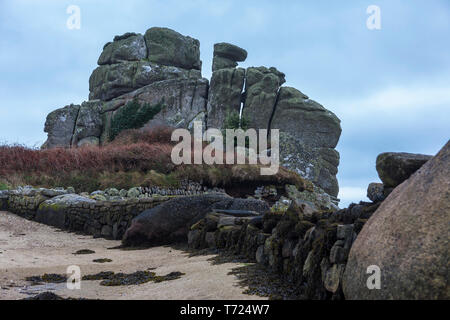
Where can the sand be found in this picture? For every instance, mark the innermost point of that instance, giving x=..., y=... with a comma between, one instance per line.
x=28, y=248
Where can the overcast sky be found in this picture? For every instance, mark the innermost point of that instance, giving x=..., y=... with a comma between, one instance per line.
x=390, y=87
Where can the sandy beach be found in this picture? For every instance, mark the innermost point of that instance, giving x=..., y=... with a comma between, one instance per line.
x=28, y=249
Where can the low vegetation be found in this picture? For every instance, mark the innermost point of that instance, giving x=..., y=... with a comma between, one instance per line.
x=132, y=116
x=134, y=158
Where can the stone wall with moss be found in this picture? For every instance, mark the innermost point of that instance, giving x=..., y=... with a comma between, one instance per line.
x=107, y=219
x=307, y=248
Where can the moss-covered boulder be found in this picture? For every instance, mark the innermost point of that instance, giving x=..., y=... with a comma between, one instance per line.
x=110, y=81
x=395, y=167
x=172, y=220
x=226, y=55
x=128, y=47
x=170, y=48
x=305, y=119
x=408, y=239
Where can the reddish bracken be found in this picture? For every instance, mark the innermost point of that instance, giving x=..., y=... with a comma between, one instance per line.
x=138, y=156
x=157, y=134
x=132, y=150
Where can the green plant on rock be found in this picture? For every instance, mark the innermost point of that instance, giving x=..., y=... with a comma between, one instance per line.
x=132, y=116
x=3, y=186
x=235, y=121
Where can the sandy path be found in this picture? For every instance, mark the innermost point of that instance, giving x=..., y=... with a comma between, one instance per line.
x=28, y=248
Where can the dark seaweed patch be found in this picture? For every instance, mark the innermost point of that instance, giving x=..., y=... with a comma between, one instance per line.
x=47, y=278
x=102, y=260
x=110, y=278
x=84, y=251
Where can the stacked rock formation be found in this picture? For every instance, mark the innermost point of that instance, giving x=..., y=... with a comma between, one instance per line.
x=159, y=67
x=227, y=84
x=163, y=67
x=308, y=132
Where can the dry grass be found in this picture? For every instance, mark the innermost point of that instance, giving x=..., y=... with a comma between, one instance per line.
x=134, y=158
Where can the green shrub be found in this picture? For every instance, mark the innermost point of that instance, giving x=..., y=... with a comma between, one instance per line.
x=3, y=186
x=132, y=116
x=234, y=121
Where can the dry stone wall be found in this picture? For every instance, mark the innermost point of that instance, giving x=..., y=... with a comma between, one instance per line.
x=309, y=249
x=108, y=219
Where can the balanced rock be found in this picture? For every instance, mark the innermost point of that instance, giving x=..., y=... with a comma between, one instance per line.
x=395, y=167
x=408, y=239
x=305, y=119
x=226, y=55
x=230, y=51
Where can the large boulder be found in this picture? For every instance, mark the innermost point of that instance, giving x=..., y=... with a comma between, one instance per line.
x=408, y=239
x=171, y=220
x=170, y=48
x=53, y=211
x=395, y=167
x=230, y=51
x=253, y=205
x=261, y=91
x=110, y=81
x=226, y=55
x=308, y=135
x=225, y=95
x=128, y=47
x=305, y=119
x=59, y=126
